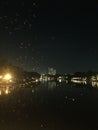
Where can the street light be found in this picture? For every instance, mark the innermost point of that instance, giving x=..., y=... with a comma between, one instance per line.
x=7, y=77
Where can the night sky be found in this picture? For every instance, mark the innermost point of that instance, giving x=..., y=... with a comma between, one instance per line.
x=36, y=34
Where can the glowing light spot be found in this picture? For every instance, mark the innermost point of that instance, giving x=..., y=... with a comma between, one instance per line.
x=7, y=77
x=0, y=92
x=6, y=91
x=0, y=76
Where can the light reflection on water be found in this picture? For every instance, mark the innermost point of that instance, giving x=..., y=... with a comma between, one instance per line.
x=48, y=106
x=6, y=89
x=79, y=81
x=94, y=84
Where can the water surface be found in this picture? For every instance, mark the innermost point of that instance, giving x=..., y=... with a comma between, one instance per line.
x=49, y=106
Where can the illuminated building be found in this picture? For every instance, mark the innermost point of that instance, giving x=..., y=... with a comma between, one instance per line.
x=51, y=71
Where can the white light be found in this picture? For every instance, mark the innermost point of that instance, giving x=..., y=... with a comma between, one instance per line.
x=60, y=80
x=36, y=80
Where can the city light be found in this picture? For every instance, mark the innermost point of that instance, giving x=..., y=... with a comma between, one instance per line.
x=6, y=91
x=0, y=76
x=37, y=80
x=0, y=93
x=7, y=77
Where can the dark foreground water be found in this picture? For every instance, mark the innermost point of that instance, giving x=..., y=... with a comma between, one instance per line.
x=49, y=106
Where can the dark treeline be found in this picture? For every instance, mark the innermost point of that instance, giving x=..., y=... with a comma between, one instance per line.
x=16, y=71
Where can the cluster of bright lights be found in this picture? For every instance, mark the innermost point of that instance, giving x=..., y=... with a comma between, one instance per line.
x=7, y=77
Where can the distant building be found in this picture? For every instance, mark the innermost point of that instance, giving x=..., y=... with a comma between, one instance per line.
x=51, y=71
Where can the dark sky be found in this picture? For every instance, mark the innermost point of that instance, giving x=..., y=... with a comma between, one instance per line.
x=40, y=34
